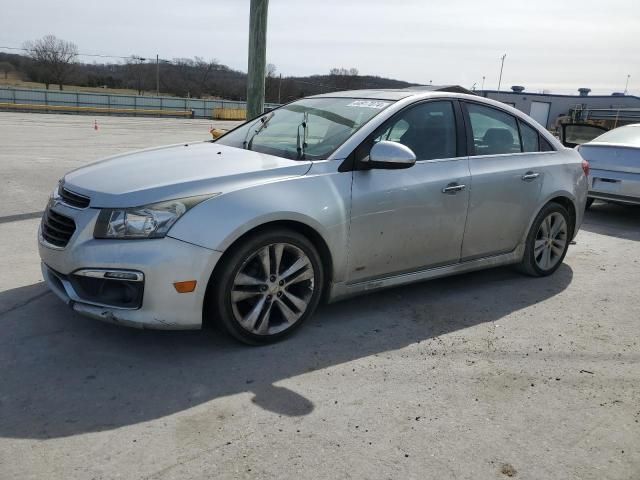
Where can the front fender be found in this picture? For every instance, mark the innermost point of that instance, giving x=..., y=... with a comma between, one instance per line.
x=320, y=201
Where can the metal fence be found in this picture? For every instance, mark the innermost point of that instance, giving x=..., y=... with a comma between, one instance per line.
x=107, y=103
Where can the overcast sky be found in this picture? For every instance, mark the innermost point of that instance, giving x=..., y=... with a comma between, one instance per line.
x=558, y=45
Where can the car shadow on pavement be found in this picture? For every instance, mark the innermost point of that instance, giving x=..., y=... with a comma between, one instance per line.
x=621, y=221
x=64, y=375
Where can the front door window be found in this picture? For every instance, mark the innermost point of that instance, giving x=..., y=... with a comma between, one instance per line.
x=429, y=129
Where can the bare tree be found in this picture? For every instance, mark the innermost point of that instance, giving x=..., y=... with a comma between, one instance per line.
x=136, y=73
x=343, y=78
x=182, y=78
x=54, y=58
x=344, y=72
x=203, y=72
x=6, y=67
x=193, y=77
x=271, y=83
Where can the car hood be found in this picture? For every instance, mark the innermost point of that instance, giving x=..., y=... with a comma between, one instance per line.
x=176, y=171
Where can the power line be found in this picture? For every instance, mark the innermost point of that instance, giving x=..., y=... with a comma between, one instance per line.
x=100, y=55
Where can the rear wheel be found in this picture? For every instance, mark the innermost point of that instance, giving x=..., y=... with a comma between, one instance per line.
x=267, y=286
x=589, y=203
x=547, y=242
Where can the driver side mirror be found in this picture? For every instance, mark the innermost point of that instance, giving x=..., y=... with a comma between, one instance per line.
x=390, y=155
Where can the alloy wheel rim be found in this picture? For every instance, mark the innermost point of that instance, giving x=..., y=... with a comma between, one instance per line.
x=272, y=289
x=551, y=241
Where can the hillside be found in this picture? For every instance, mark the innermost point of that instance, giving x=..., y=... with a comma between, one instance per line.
x=183, y=77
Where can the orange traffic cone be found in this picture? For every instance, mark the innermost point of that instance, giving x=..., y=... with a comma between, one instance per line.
x=95, y=125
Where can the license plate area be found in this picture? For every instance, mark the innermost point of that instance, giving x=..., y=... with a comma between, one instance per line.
x=607, y=184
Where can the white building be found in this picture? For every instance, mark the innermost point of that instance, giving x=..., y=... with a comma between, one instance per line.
x=613, y=110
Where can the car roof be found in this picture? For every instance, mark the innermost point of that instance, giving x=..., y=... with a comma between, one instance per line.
x=420, y=93
x=378, y=94
x=417, y=93
x=400, y=93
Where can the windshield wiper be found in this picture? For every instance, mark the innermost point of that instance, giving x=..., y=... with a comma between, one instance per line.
x=301, y=143
x=246, y=144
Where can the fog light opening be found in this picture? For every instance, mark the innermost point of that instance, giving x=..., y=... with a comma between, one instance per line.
x=121, y=276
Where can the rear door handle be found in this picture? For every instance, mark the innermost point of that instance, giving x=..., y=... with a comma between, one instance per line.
x=453, y=188
x=530, y=176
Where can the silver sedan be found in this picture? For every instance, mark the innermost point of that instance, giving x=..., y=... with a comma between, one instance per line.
x=615, y=165
x=321, y=199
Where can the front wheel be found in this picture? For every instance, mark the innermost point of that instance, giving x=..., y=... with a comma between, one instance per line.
x=267, y=286
x=547, y=241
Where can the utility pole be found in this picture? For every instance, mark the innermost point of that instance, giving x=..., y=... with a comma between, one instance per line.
x=279, y=89
x=257, y=57
x=501, y=67
x=157, y=76
x=483, y=77
x=626, y=86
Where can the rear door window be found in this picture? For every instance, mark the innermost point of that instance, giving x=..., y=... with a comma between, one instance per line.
x=529, y=138
x=545, y=146
x=494, y=132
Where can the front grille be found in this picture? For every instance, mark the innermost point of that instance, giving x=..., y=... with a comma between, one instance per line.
x=56, y=228
x=73, y=199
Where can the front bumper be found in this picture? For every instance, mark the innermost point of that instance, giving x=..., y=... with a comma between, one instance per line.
x=161, y=261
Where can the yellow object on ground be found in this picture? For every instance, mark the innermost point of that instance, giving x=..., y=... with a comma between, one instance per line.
x=217, y=132
x=230, y=113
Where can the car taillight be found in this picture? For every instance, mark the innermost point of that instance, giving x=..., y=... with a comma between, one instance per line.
x=586, y=168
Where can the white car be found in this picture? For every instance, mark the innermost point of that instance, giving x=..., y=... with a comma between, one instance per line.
x=615, y=165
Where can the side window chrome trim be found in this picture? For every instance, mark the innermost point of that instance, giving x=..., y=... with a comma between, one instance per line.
x=513, y=154
x=440, y=160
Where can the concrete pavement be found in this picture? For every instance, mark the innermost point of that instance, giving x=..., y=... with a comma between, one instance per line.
x=485, y=375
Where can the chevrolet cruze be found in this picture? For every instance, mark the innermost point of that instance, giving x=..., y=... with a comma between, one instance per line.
x=323, y=198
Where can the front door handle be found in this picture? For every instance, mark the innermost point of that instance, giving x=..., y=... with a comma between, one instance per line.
x=453, y=188
x=527, y=177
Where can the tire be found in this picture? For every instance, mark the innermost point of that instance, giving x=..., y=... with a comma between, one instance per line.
x=589, y=203
x=257, y=308
x=544, y=253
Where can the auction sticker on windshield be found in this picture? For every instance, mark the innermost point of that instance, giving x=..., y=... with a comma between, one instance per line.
x=377, y=104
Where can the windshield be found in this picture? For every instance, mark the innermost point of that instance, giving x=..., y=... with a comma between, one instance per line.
x=629, y=135
x=309, y=129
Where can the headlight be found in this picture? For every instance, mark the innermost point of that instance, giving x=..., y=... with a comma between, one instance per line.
x=150, y=221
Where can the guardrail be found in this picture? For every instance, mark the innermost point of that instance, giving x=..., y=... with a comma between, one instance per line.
x=111, y=104
x=619, y=114
x=99, y=110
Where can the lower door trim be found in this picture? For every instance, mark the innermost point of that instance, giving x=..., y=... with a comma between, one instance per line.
x=344, y=290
